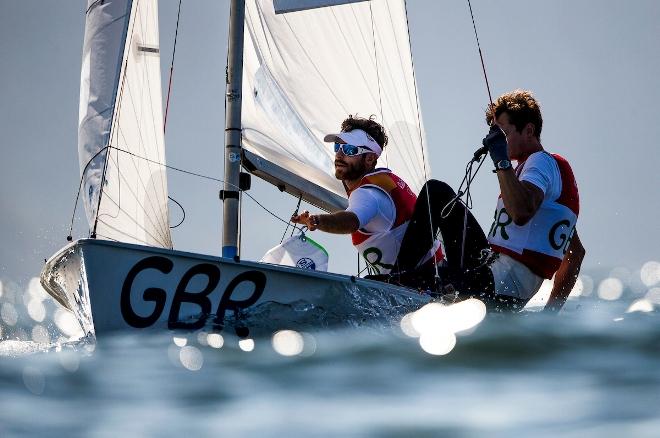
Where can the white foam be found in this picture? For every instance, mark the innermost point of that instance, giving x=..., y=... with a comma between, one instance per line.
x=642, y=305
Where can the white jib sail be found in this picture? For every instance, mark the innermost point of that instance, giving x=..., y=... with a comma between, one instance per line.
x=120, y=133
x=306, y=71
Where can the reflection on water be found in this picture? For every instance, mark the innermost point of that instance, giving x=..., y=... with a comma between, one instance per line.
x=246, y=345
x=214, y=340
x=288, y=342
x=439, y=371
x=650, y=273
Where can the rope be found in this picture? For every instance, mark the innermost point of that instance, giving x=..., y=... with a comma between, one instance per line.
x=288, y=224
x=467, y=181
x=169, y=86
x=182, y=209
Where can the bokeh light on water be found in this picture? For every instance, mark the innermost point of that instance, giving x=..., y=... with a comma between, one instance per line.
x=622, y=273
x=40, y=334
x=407, y=326
x=584, y=286
x=179, y=341
x=35, y=290
x=34, y=300
x=541, y=297
x=215, y=340
x=173, y=354
x=191, y=358
x=653, y=295
x=436, y=324
x=246, y=345
x=201, y=338
x=36, y=310
x=34, y=380
x=650, y=273
x=438, y=343
x=288, y=342
x=8, y=314
x=610, y=289
x=67, y=323
x=69, y=360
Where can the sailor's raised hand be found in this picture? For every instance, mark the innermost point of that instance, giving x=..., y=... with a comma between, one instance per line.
x=495, y=141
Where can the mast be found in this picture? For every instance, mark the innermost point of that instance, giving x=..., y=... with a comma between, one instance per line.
x=230, y=194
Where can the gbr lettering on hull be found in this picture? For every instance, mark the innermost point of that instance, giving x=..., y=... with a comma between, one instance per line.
x=182, y=294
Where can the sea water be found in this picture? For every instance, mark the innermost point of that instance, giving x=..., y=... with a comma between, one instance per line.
x=592, y=370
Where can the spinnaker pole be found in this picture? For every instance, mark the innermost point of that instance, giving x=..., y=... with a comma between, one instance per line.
x=230, y=194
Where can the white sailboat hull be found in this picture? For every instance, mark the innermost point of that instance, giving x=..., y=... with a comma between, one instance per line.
x=117, y=286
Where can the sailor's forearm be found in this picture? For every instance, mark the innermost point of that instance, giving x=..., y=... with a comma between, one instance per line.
x=518, y=200
x=341, y=222
x=566, y=275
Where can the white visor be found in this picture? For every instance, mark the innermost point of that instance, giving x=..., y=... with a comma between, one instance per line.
x=356, y=137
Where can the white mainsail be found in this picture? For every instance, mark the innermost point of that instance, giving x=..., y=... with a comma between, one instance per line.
x=120, y=133
x=306, y=71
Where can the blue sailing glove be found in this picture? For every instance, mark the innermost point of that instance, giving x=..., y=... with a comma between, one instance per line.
x=495, y=141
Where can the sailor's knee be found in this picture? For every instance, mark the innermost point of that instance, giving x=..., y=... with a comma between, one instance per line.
x=439, y=188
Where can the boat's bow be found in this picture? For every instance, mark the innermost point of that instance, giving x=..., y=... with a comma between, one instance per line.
x=65, y=279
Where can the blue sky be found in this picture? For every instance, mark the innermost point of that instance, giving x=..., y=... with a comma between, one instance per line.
x=592, y=65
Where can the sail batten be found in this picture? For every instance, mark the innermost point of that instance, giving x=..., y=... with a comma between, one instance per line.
x=125, y=194
x=305, y=72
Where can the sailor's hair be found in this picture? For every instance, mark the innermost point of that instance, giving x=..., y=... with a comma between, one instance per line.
x=370, y=126
x=522, y=108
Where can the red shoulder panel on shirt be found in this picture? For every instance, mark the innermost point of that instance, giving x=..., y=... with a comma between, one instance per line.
x=569, y=190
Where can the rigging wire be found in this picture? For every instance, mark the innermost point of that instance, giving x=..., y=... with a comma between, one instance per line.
x=169, y=86
x=115, y=122
x=469, y=174
x=421, y=138
x=481, y=56
x=380, y=98
x=176, y=169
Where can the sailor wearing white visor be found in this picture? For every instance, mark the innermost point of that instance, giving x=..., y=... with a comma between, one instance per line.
x=380, y=203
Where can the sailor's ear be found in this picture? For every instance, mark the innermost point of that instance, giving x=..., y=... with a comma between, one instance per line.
x=371, y=159
x=528, y=130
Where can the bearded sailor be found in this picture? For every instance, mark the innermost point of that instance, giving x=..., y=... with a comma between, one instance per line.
x=380, y=204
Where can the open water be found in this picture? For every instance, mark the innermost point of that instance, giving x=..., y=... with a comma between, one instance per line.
x=592, y=370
